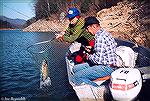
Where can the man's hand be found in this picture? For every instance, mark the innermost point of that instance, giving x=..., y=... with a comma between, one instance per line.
x=60, y=36
x=88, y=48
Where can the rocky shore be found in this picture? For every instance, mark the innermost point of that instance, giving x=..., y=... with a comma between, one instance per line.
x=128, y=21
x=7, y=29
x=44, y=25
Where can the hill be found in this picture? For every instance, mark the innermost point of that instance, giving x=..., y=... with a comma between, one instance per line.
x=11, y=23
x=5, y=24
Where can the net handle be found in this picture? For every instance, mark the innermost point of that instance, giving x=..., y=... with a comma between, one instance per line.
x=38, y=43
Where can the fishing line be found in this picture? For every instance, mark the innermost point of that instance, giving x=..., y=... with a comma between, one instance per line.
x=39, y=43
x=16, y=11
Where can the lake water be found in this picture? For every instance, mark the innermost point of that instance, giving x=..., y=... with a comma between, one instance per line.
x=20, y=72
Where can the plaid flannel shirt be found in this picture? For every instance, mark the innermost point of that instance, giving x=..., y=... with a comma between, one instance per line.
x=105, y=47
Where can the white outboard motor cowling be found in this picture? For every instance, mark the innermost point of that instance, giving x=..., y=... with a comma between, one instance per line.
x=125, y=84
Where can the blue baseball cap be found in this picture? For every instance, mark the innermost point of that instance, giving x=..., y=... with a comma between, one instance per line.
x=72, y=12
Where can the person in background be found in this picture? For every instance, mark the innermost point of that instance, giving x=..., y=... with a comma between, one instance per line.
x=74, y=32
x=104, y=56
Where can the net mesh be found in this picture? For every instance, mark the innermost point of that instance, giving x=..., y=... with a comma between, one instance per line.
x=40, y=51
x=48, y=51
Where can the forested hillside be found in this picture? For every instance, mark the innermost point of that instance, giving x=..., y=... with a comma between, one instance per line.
x=5, y=24
x=125, y=19
x=46, y=8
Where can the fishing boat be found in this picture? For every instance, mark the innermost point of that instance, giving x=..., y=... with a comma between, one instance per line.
x=86, y=92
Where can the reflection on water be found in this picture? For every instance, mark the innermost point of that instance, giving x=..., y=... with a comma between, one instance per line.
x=20, y=74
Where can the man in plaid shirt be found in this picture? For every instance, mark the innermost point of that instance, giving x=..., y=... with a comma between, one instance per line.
x=104, y=55
x=104, y=48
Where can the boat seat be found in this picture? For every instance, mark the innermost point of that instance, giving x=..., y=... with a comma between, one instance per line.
x=102, y=78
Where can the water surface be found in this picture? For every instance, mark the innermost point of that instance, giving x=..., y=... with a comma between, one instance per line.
x=20, y=72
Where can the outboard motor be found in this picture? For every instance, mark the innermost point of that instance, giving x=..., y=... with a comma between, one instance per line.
x=125, y=84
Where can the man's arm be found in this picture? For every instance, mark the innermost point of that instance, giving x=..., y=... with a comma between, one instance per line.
x=99, y=49
x=72, y=34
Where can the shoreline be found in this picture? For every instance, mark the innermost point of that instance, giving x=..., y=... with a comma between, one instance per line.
x=50, y=25
x=7, y=29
